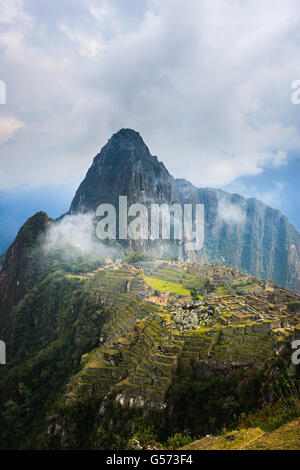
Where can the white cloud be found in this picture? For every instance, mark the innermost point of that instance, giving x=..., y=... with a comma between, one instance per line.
x=75, y=237
x=8, y=127
x=230, y=212
x=14, y=24
x=105, y=13
x=272, y=197
x=88, y=46
x=11, y=10
x=208, y=85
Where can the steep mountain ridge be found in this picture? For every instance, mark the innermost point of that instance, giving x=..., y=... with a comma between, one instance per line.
x=246, y=233
x=20, y=267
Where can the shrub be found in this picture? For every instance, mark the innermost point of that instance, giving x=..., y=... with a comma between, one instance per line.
x=293, y=306
x=178, y=440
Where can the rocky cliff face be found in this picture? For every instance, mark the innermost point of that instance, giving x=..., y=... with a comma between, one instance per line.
x=238, y=231
x=124, y=167
x=248, y=234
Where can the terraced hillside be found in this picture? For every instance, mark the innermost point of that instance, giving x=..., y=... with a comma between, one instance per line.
x=133, y=342
x=216, y=320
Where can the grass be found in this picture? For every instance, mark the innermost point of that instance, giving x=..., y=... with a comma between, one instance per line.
x=161, y=285
x=77, y=276
x=177, y=274
x=252, y=287
x=284, y=438
x=277, y=419
x=274, y=427
x=186, y=279
x=232, y=440
x=271, y=417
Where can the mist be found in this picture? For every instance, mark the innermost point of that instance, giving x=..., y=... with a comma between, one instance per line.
x=73, y=240
x=230, y=213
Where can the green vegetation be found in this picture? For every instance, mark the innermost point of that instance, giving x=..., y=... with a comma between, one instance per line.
x=137, y=257
x=204, y=407
x=232, y=440
x=284, y=410
x=178, y=440
x=293, y=306
x=274, y=426
x=194, y=293
x=162, y=285
x=146, y=436
x=59, y=377
x=56, y=323
x=206, y=287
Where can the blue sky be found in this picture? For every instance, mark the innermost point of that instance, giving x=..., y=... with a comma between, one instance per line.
x=207, y=84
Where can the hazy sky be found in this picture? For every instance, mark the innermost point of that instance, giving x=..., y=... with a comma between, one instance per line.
x=207, y=83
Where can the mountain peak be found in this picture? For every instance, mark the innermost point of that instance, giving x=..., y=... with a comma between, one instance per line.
x=126, y=139
x=127, y=134
x=124, y=166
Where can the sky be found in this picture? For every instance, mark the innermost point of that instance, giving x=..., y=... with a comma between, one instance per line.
x=207, y=83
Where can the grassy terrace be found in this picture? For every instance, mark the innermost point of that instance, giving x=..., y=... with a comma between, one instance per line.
x=173, y=280
x=165, y=278
x=174, y=272
x=173, y=275
x=162, y=285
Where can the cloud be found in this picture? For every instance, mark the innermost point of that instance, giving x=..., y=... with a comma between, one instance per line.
x=229, y=212
x=271, y=196
x=207, y=84
x=11, y=11
x=74, y=238
x=8, y=127
x=88, y=46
